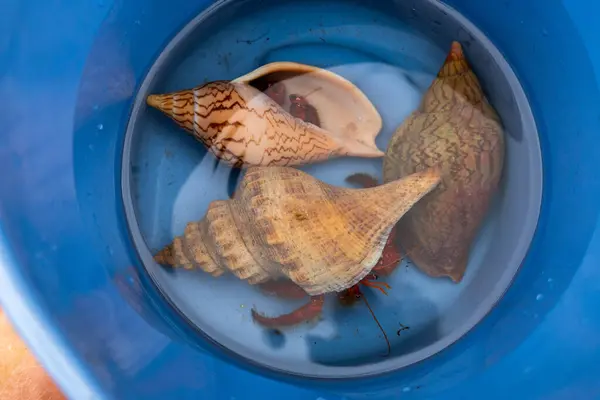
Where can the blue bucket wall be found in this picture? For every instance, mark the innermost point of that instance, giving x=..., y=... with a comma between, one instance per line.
x=68, y=74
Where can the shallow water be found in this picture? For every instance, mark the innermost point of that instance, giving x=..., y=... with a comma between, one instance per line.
x=392, y=59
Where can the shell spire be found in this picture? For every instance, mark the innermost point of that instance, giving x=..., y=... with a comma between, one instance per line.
x=244, y=127
x=283, y=223
x=456, y=88
x=455, y=63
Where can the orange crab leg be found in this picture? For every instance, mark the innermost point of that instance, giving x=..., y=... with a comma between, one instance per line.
x=305, y=313
x=381, y=286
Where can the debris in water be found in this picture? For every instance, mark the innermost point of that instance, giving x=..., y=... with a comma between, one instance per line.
x=402, y=328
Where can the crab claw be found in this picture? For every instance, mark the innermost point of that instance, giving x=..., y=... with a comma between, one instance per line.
x=307, y=312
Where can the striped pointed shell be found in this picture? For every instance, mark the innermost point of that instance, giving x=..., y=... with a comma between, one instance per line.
x=455, y=129
x=283, y=223
x=243, y=126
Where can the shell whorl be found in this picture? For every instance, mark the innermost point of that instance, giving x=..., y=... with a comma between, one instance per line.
x=284, y=223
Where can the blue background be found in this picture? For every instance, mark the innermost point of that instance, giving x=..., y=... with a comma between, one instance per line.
x=63, y=237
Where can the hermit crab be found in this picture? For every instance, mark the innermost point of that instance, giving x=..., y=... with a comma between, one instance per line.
x=285, y=225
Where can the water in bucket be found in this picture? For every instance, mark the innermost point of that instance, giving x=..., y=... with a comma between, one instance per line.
x=382, y=59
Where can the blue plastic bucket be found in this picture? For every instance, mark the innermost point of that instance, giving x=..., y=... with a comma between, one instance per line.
x=69, y=74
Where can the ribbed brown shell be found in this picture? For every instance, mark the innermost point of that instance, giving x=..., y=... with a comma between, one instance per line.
x=283, y=222
x=455, y=129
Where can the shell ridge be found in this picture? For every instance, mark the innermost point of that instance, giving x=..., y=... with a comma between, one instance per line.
x=245, y=219
x=212, y=265
x=240, y=229
x=187, y=247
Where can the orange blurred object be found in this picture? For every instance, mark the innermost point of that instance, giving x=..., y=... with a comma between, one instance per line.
x=21, y=376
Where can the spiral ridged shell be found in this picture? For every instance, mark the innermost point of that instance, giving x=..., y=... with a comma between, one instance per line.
x=283, y=223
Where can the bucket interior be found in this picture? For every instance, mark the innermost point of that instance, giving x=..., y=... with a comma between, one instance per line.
x=169, y=180
x=94, y=183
